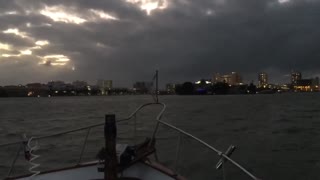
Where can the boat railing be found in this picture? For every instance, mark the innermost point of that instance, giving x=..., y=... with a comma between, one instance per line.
x=224, y=156
x=22, y=143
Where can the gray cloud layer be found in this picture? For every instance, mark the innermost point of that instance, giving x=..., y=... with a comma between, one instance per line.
x=186, y=41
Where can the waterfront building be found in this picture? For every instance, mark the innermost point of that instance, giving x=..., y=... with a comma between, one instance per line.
x=315, y=81
x=216, y=78
x=295, y=77
x=104, y=85
x=303, y=85
x=170, y=88
x=226, y=79
x=262, y=80
x=307, y=85
x=284, y=87
x=236, y=79
x=232, y=79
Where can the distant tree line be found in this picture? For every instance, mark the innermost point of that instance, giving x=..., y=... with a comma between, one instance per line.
x=23, y=91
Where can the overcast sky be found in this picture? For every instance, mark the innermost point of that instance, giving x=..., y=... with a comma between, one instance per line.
x=127, y=40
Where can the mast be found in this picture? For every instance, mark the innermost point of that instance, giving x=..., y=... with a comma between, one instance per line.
x=157, y=100
x=110, y=135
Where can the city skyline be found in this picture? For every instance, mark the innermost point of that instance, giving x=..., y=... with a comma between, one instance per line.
x=285, y=79
x=219, y=84
x=232, y=78
x=126, y=40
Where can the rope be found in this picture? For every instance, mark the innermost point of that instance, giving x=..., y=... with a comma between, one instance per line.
x=33, y=157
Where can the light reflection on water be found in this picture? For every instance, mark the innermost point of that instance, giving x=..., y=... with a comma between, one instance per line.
x=277, y=136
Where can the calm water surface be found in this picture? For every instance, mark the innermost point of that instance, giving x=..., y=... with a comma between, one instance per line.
x=277, y=136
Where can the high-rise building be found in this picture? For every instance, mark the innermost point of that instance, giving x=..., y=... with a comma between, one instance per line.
x=105, y=86
x=232, y=79
x=262, y=80
x=226, y=78
x=315, y=81
x=216, y=78
x=295, y=77
x=235, y=78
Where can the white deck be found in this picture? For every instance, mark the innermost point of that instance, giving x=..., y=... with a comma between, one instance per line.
x=138, y=170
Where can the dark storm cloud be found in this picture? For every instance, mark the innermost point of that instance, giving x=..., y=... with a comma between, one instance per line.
x=186, y=41
x=15, y=40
